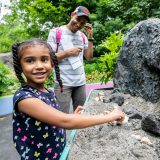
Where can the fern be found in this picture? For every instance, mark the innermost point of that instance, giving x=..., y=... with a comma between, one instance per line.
x=108, y=60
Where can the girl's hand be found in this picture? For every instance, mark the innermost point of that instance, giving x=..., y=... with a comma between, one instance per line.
x=117, y=115
x=78, y=110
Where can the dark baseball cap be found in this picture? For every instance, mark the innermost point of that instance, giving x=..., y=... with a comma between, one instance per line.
x=82, y=11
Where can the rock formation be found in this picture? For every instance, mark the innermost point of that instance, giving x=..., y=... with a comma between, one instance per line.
x=138, y=66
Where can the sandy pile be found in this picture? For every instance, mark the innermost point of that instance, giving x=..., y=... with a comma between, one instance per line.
x=116, y=142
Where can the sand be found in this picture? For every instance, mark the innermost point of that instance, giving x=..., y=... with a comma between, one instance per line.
x=116, y=142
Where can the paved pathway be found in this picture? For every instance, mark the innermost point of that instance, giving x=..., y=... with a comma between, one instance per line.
x=7, y=150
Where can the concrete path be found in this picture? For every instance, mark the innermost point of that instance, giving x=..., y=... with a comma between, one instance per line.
x=7, y=150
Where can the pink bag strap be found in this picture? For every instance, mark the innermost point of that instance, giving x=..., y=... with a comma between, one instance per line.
x=83, y=37
x=59, y=34
x=58, y=37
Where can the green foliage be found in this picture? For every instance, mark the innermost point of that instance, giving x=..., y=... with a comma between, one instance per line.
x=128, y=11
x=37, y=17
x=5, y=44
x=8, y=81
x=41, y=15
x=89, y=68
x=93, y=77
x=106, y=66
x=108, y=60
x=121, y=15
x=50, y=81
x=114, y=42
x=11, y=32
x=92, y=73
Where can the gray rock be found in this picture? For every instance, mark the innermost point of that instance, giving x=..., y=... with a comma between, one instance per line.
x=151, y=123
x=6, y=58
x=138, y=67
x=117, y=99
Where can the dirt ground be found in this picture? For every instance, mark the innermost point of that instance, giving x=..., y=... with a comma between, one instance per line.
x=116, y=142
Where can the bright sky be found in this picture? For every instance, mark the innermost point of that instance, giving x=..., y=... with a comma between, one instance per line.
x=3, y=8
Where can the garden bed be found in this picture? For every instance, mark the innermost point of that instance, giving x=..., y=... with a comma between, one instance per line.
x=123, y=142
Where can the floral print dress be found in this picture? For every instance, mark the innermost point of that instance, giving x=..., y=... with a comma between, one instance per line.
x=33, y=139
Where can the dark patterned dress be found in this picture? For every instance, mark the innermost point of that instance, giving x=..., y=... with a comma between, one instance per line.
x=35, y=140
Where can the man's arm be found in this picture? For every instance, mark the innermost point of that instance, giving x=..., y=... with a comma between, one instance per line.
x=88, y=53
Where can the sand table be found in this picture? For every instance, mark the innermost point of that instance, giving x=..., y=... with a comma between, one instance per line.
x=116, y=142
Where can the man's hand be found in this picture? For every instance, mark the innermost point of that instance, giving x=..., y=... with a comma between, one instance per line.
x=73, y=51
x=89, y=30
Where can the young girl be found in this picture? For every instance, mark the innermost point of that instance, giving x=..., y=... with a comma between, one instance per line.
x=38, y=124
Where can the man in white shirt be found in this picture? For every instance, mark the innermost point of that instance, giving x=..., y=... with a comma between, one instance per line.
x=72, y=47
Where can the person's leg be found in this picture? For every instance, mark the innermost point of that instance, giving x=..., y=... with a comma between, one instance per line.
x=78, y=96
x=63, y=98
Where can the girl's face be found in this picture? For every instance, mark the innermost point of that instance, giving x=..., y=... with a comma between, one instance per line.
x=77, y=22
x=36, y=64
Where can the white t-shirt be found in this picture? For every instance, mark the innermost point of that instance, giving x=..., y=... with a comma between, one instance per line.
x=71, y=68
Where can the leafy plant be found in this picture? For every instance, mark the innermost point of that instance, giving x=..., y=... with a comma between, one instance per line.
x=93, y=77
x=8, y=82
x=91, y=71
x=89, y=68
x=50, y=81
x=108, y=60
x=11, y=32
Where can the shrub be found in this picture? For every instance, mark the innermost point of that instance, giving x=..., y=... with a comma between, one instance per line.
x=89, y=68
x=5, y=44
x=8, y=82
x=11, y=34
x=50, y=81
x=108, y=60
x=93, y=77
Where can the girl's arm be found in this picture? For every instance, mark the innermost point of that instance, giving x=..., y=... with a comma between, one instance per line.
x=45, y=113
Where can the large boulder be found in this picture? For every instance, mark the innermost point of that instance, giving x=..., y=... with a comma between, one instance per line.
x=138, y=67
x=6, y=58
